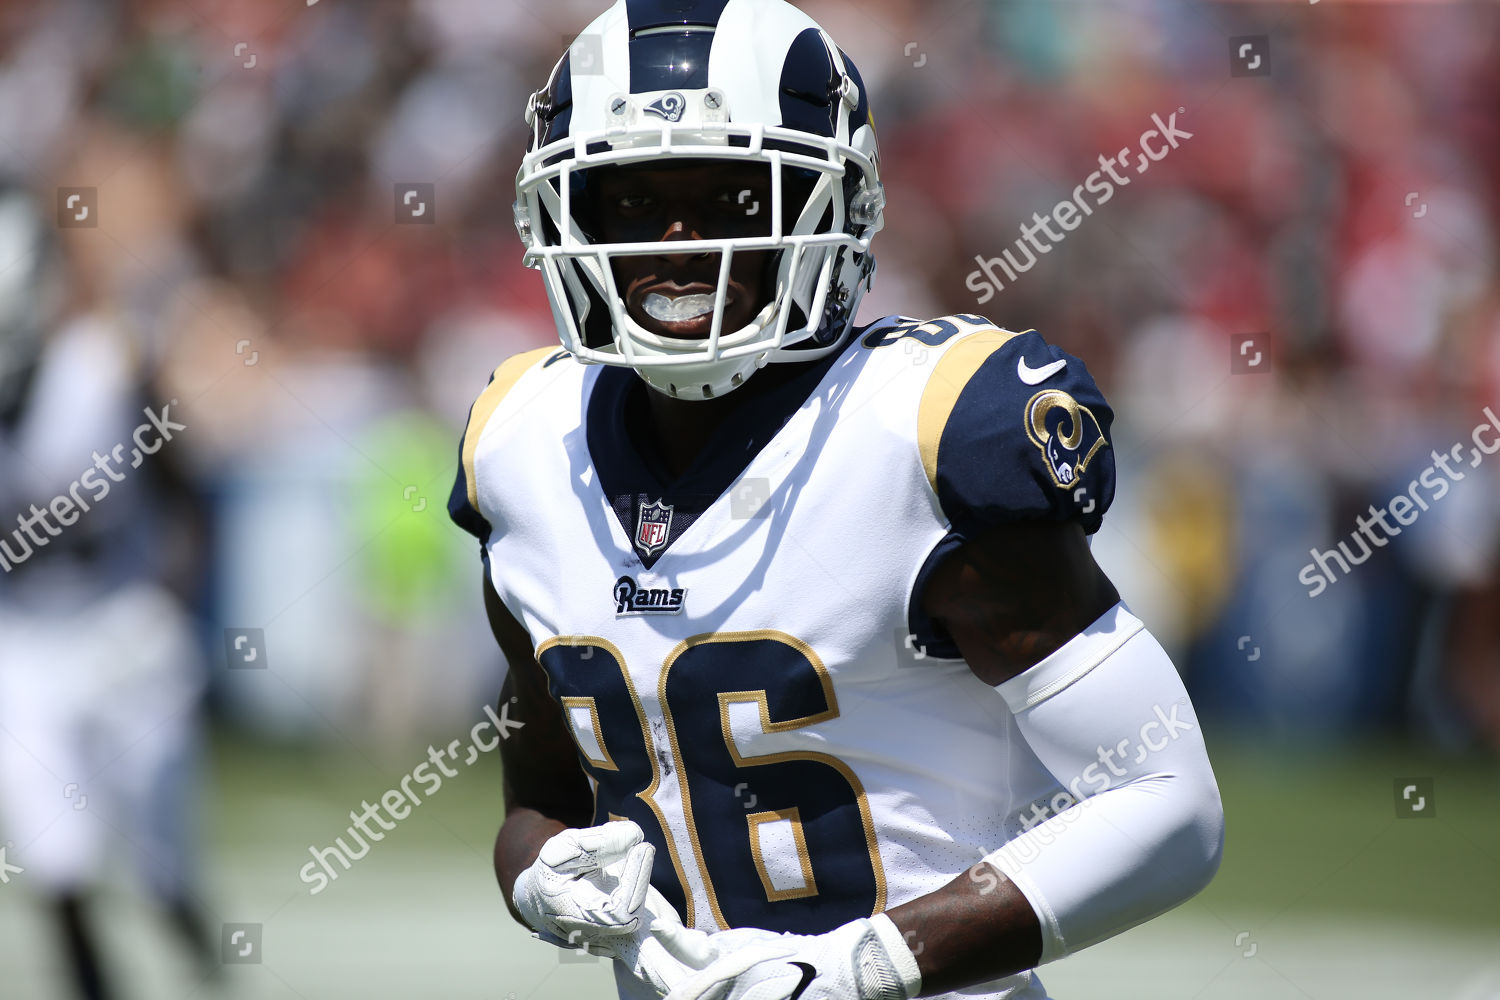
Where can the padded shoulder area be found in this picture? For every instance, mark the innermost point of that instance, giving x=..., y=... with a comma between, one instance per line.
x=463, y=503
x=1012, y=428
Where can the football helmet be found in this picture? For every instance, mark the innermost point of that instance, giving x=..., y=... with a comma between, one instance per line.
x=724, y=81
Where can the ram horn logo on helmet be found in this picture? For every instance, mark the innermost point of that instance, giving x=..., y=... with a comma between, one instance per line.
x=668, y=106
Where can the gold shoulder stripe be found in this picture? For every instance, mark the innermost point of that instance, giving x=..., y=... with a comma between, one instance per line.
x=506, y=376
x=953, y=371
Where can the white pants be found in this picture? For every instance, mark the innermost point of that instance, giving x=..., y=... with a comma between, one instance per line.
x=97, y=722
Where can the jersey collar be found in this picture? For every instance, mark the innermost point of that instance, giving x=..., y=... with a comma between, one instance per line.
x=633, y=475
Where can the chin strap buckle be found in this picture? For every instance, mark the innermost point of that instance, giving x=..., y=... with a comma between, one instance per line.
x=849, y=92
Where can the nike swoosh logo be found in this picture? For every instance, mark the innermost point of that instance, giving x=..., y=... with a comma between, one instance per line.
x=808, y=975
x=1035, y=376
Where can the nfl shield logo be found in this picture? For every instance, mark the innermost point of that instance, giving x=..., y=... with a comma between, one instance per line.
x=655, y=523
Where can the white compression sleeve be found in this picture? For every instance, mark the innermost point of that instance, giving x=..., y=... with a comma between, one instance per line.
x=1140, y=829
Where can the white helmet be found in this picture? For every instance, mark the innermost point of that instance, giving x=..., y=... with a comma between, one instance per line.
x=737, y=81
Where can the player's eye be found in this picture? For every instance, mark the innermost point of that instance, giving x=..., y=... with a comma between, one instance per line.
x=633, y=203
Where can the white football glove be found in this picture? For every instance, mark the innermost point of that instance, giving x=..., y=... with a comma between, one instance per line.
x=568, y=897
x=664, y=953
x=862, y=960
x=590, y=890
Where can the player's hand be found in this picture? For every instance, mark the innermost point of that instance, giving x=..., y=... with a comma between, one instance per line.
x=851, y=962
x=666, y=953
x=588, y=886
x=590, y=890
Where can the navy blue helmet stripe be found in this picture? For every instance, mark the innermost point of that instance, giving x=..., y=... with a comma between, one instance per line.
x=670, y=60
x=557, y=116
x=809, y=86
x=661, y=13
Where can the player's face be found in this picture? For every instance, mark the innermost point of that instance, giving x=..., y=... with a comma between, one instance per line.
x=672, y=294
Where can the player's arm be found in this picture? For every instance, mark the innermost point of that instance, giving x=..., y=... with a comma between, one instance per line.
x=545, y=789
x=1014, y=438
x=1036, y=617
x=573, y=884
x=577, y=886
x=1009, y=599
x=1019, y=457
x=1142, y=828
x=1016, y=594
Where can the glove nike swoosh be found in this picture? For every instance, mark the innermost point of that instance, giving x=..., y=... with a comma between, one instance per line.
x=808, y=975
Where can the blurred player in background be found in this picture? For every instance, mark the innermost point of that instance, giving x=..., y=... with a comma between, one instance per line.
x=100, y=670
x=812, y=654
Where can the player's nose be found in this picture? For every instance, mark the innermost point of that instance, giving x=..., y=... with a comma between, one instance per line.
x=684, y=232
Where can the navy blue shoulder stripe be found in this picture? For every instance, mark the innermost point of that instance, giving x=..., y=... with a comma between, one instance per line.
x=645, y=14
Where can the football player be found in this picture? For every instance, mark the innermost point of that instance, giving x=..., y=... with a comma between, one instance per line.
x=824, y=694
x=100, y=673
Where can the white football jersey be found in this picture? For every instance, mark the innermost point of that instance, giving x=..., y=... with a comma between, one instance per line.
x=741, y=653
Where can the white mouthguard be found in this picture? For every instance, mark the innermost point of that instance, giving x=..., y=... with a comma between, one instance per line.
x=679, y=310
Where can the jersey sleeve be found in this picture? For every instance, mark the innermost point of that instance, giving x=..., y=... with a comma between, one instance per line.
x=1012, y=429
x=464, y=503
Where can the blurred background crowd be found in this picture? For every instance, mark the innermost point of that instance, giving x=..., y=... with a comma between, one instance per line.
x=246, y=156
x=245, y=262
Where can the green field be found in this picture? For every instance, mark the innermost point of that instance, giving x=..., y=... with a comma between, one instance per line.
x=1323, y=894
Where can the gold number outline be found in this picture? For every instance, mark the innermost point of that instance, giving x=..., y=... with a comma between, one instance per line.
x=647, y=795
x=571, y=702
x=792, y=815
x=759, y=698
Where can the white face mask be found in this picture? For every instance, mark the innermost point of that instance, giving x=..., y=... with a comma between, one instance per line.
x=819, y=257
x=597, y=112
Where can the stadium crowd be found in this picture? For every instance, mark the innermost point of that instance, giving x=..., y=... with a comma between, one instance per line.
x=1334, y=212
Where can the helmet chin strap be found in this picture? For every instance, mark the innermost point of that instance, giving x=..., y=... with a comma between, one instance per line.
x=710, y=379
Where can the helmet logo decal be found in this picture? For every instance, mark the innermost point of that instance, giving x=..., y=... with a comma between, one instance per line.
x=668, y=106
